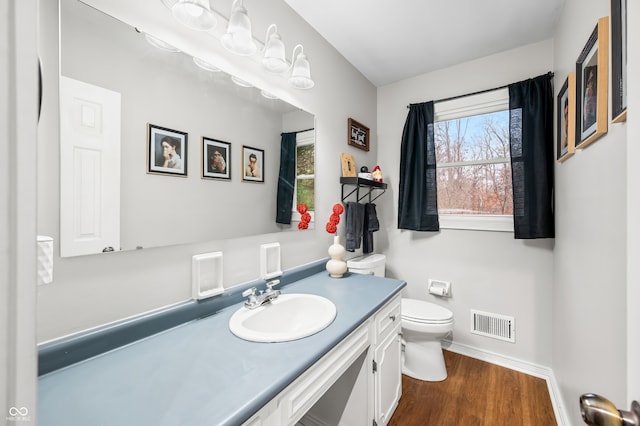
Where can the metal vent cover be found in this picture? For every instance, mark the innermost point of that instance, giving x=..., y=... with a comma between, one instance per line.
x=497, y=326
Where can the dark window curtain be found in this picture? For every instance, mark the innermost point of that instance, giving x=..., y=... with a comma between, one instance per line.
x=287, y=178
x=531, y=139
x=418, y=199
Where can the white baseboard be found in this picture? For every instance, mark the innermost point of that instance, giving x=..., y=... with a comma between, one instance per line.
x=535, y=370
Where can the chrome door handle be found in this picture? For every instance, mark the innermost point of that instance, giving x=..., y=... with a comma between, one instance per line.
x=599, y=411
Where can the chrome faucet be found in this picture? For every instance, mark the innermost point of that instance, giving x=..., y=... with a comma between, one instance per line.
x=255, y=300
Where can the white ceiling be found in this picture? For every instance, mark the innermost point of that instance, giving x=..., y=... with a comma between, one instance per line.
x=390, y=40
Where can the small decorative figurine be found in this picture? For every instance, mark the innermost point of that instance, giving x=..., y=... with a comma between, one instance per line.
x=377, y=174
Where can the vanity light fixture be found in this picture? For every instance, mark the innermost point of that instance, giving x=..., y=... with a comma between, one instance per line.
x=157, y=43
x=300, y=77
x=194, y=14
x=268, y=95
x=274, y=59
x=238, y=38
x=240, y=82
x=205, y=65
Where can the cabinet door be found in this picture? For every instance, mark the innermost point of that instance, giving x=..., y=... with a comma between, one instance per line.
x=387, y=377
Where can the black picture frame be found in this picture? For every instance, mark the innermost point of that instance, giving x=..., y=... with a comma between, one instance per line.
x=618, y=60
x=252, y=171
x=161, y=139
x=216, y=159
x=592, y=81
x=565, y=119
x=358, y=135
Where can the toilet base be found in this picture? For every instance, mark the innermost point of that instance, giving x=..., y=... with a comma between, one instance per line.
x=424, y=361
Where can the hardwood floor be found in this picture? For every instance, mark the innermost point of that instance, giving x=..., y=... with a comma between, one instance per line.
x=475, y=393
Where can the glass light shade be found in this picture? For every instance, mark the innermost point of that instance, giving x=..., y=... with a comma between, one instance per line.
x=157, y=43
x=274, y=56
x=238, y=38
x=301, y=73
x=205, y=65
x=169, y=3
x=240, y=82
x=268, y=95
x=194, y=14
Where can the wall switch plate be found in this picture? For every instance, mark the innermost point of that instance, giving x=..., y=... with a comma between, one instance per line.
x=270, y=261
x=206, y=275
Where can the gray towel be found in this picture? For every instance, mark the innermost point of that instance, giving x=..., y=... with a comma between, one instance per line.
x=354, y=225
x=371, y=224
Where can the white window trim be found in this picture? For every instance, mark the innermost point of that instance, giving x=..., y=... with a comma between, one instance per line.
x=482, y=103
x=476, y=222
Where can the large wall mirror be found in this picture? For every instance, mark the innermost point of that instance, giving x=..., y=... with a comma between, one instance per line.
x=112, y=75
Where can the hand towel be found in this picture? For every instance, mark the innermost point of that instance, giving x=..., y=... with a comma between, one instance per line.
x=371, y=224
x=354, y=225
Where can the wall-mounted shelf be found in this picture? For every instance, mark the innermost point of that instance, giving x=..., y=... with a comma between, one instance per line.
x=363, y=188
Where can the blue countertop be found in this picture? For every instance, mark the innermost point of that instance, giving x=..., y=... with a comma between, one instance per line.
x=200, y=373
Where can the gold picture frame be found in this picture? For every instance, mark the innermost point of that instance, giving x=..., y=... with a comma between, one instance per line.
x=592, y=69
x=566, y=119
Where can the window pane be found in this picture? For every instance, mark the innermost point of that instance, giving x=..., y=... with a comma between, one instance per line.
x=479, y=137
x=305, y=192
x=483, y=189
x=304, y=160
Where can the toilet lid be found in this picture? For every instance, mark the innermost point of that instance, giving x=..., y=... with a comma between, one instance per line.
x=425, y=312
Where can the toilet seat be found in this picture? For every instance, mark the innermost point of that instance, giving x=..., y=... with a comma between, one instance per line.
x=421, y=312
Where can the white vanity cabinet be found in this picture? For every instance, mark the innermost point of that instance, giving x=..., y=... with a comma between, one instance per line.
x=358, y=382
x=387, y=363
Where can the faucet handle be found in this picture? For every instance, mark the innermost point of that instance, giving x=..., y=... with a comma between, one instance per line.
x=272, y=284
x=249, y=292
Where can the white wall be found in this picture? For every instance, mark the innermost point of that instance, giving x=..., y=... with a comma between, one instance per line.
x=94, y=290
x=489, y=271
x=18, y=115
x=589, y=307
x=633, y=212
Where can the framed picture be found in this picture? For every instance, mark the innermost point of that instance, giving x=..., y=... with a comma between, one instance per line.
x=216, y=159
x=166, y=151
x=618, y=60
x=592, y=77
x=252, y=164
x=358, y=135
x=566, y=119
x=348, y=165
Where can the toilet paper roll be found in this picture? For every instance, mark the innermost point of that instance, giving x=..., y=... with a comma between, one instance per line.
x=45, y=259
x=438, y=291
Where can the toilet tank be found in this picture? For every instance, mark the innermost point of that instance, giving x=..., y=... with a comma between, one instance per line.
x=372, y=264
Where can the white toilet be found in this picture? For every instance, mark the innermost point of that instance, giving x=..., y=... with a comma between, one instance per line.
x=424, y=325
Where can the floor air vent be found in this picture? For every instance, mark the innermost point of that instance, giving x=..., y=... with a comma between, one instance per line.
x=493, y=325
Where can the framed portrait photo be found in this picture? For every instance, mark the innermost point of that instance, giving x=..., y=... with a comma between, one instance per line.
x=252, y=164
x=618, y=60
x=592, y=78
x=166, y=151
x=216, y=159
x=358, y=135
x=566, y=119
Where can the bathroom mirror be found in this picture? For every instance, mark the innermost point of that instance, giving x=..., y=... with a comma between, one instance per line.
x=161, y=94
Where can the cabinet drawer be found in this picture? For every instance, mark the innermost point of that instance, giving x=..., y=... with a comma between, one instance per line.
x=387, y=319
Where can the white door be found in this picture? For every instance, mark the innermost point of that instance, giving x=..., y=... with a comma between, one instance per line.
x=89, y=168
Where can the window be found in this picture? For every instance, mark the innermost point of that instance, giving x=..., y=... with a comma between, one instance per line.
x=305, y=173
x=473, y=162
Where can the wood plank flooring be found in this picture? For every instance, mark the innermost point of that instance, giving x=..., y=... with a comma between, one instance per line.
x=475, y=393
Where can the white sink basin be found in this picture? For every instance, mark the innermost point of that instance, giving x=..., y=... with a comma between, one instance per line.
x=289, y=317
